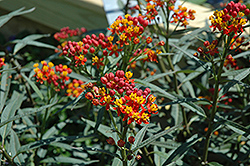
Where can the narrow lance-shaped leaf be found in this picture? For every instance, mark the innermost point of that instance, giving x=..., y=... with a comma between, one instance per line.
x=236, y=80
x=193, y=107
x=99, y=117
x=155, y=137
x=29, y=40
x=25, y=114
x=70, y=160
x=214, y=164
x=5, y=87
x=37, y=144
x=204, y=65
x=14, y=146
x=181, y=150
x=33, y=85
x=105, y=130
x=176, y=114
x=9, y=112
x=138, y=140
x=234, y=126
x=103, y=151
x=4, y=19
x=54, y=130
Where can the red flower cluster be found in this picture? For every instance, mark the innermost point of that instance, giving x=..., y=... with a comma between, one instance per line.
x=57, y=77
x=182, y=15
x=66, y=32
x=231, y=61
x=230, y=19
x=212, y=50
x=129, y=31
x=120, y=93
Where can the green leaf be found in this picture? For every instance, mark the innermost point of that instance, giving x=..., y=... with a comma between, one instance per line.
x=103, y=151
x=214, y=164
x=154, y=138
x=105, y=130
x=206, y=67
x=117, y=162
x=233, y=72
x=54, y=130
x=29, y=40
x=156, y=88
x=9, y=112
x=186, y=86
x=182, y=149
x=37, y=144
x=193, y=107
x=159, y=156
x=236, y=80
x=113, y=62
x=241, y=54
x=176, y=114
x=2, y=53
x=99, y=117
x=70, y=160
x=138, y=140
x=120, y=4
x=233, y=126
x=186, y=71
x=14, y=146
x=193, y=75
x=5, y=87
x=139, y=137
x=4, y=19
x=169, y=144
x=79, y=77
x=33, y=85
x=25, y=114
x=192, y=35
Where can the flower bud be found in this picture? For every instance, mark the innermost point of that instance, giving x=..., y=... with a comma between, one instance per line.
x=131, y=139
x=121, y=143
x=111, y=141
x=104, y=80
x=89, y=96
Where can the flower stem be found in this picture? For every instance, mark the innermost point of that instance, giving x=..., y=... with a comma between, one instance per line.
x=217, y=78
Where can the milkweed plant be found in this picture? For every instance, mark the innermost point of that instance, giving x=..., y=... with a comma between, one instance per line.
x=148, y=90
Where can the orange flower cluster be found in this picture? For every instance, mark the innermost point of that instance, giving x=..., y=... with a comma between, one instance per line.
x=239, y=44
x=181, y=15
x=66, y=32
x=230, y=19
x=2, y=62
x=75, y=88
x=120, y=94
x=57, y=77
x=231, y=61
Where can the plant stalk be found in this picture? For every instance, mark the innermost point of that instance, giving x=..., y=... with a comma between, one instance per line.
x=217, y=78
x=7, y=156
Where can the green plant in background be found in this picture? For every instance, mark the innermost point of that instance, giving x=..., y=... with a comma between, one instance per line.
x=110, y=99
